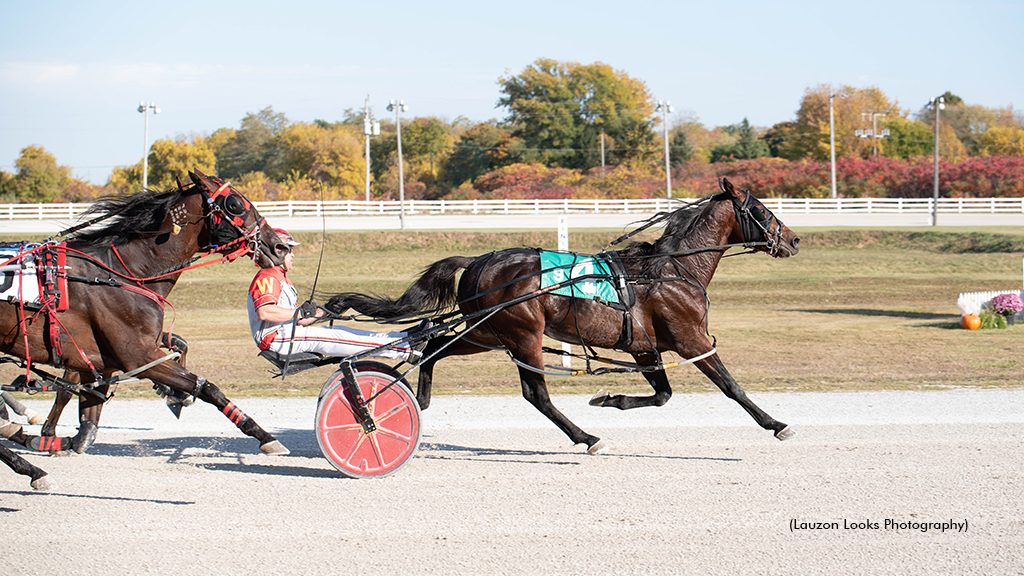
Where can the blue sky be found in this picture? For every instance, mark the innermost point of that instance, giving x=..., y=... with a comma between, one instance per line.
x=73, y=73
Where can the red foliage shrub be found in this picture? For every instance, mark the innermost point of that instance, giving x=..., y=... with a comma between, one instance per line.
x=878, y=177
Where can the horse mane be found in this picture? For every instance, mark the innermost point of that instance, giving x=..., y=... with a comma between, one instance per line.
x=129, y=217
x=679, y=224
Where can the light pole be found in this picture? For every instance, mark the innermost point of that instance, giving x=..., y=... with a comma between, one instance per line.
x=369, y=129
x=398, y=106
x=873, y=133
x=144, y=108
x=936, y=104
x=832, y=139
x=665, y=107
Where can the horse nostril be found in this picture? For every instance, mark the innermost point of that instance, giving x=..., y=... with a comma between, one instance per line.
x=796, y=242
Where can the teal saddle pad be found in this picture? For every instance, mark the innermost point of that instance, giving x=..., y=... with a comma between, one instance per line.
x=596, y=280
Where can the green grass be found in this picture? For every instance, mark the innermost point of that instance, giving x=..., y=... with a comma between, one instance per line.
x=855, y=310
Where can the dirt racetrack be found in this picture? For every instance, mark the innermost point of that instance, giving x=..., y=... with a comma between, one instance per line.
x=690, y=488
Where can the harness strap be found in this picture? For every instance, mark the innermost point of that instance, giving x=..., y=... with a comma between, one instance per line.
x=626, y=335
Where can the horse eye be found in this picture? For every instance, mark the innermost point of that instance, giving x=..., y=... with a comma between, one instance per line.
x=233, y=205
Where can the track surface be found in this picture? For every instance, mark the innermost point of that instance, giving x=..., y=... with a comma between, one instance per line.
x=690, y=488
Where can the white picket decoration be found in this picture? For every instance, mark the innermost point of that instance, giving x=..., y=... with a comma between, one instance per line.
x=983, y=298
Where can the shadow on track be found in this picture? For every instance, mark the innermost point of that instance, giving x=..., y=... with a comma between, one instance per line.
x=453, y=452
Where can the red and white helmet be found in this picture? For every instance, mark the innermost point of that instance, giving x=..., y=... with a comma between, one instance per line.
x=285, y=237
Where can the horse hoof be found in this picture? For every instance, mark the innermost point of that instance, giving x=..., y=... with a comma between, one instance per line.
x=85, y=437
x=42, y=483
x=785, y=434
x=274, y=448
x=55, y=445
x=34, y=417
x=596, y=448
x=599, y=398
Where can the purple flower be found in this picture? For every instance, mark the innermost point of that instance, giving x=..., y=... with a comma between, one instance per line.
x=1007, y=304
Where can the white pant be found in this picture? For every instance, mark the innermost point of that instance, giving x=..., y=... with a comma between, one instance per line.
x=338, y=341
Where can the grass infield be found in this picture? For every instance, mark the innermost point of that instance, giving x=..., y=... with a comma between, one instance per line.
x=857, y=309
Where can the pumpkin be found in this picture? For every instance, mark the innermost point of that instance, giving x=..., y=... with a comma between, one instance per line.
x=970, y=321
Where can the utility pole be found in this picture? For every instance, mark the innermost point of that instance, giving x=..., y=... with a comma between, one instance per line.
x=144, y=108
x=602, y=148
x=936, y=104
x=369, y=129
x=832, y=139
x=398, y=106
x=666, y=107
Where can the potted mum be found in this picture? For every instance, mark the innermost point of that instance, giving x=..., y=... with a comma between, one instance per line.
x=1008, y=305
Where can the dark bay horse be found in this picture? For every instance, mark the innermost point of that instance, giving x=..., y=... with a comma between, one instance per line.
x=670, y=278
x=119, y=274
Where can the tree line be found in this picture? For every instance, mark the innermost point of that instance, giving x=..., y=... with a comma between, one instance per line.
x=570, y=130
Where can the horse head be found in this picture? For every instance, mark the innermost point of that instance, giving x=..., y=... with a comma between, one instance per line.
x=231, y=218
x=758, y=226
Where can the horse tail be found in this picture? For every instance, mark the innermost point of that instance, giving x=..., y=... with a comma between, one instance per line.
x=433, y=292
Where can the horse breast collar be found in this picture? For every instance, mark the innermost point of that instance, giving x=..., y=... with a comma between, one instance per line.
x=36, y=277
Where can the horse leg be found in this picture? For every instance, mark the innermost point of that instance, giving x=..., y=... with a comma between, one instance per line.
x=175, y=400
x=535, y=390
x=89, y=409
x=176, y=377
x=657, y=379
x=59, y=403
x=90, y=406
x=211, y=394
x=713, y=368
x=14, y=432
x=25, y=468
x=448, y=346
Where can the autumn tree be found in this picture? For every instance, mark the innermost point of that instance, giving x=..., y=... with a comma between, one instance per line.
x=968, y=121
x=248, y=148
x=1001, y=141
x=426, y=142
x=329, y=154
x=7, y=193
x=480, y=149
x=168, y=160
x=172, y=159
x=560, y=109
x=38, y=177
x=746, y=147
x=680, y=149
x=778, y=137
x=808, y=135
x=907, y=138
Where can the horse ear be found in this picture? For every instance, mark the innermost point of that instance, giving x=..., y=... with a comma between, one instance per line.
x=726, y=186
x=178, y=180
x=198, y=177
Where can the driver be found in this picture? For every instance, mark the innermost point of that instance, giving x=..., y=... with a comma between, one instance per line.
x=272, y=302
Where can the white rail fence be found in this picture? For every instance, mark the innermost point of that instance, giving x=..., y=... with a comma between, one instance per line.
x=569, y=206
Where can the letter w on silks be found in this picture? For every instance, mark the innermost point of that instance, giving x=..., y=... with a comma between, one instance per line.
x=596, y=278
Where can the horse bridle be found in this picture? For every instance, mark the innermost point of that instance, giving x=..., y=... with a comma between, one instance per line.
x=228, y=207
x=756, y=225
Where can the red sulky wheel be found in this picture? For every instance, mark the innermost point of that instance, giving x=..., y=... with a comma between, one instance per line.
x=396, y=414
